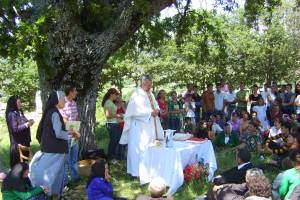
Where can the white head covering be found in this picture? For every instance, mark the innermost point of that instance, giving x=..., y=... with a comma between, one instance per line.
x=60, y=94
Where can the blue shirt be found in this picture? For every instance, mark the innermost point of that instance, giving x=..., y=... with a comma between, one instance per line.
x=100, y=189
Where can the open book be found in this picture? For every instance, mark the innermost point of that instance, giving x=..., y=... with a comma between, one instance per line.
x=73, y=125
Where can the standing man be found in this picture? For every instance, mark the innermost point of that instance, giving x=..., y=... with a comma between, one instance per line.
x=197, y=99
x=142, y=125
x=230, y=101
x=254, y=97
x=265, y=93
x=288, y=100
x=189, y=90
x=70, y=113
x=241, y=97
x=219, y=101
x=208, y=102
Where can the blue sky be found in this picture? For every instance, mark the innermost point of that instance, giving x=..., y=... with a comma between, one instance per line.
x=206, y=4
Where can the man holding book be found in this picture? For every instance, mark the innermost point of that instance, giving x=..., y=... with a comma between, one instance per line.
x=70, y=115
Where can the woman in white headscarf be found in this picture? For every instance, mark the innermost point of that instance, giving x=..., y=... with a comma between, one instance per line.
x=47, y=165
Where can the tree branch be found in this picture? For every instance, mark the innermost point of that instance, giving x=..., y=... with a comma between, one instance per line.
x=129, y=21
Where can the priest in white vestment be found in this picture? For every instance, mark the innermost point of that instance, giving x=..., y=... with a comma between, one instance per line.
x=142, y=125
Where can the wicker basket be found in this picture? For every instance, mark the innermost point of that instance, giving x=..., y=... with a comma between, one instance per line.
x=84, y=167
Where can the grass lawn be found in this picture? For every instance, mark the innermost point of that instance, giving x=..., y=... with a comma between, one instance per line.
x=124, y=185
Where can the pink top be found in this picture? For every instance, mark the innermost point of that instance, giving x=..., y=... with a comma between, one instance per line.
x=70, y=110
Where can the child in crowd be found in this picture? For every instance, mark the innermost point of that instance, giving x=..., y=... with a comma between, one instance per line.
x=254, y=119
x=202, y=130
x=228, y=138
x=244, y=122
x=252, y=129
x=275, y=111
x=216, y=128
x=294, y=119
x=175, y=111
x=261, y=110
x=235, y=123
x=98, y=186
x=190, y=107
x=157, y=189
x=180, y=99
x=188, y=125
x=221, y=121
x=17, y=185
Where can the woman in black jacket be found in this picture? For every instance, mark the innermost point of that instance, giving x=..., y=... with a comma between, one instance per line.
x=18, y=128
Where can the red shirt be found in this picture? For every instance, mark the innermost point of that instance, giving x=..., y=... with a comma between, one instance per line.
x=163, y=107
x=120, y=110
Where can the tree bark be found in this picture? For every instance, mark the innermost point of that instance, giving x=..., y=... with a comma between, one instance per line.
x=74, y=55
x=87, y=113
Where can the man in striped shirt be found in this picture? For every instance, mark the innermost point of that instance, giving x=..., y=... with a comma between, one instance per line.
x=70, y=113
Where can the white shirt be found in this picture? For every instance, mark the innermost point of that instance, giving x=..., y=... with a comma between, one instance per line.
x=297, y=100
x=273, y=97
x=190, y=112
x=262, y=115
x=230, y=97
x=273, y=132
x=264, y=95
x=219, y=100
x=226, y=139
x=242, y=165
x=216, y=128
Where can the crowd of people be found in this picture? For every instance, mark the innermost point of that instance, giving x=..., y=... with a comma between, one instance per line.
x=266, y=121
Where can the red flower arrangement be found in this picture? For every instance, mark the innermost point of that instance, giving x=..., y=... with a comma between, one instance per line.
x=196, y=171
x=196, y=176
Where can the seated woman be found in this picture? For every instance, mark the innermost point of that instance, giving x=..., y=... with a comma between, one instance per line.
x=17, y=185
x=228, y=138
x=244, y=122
x=157, y=189
x=255, y=120
x=235, y=123
x=189, y=127
x=98, y=186
x=201, y=131
x=291, y=177
x=252, y=129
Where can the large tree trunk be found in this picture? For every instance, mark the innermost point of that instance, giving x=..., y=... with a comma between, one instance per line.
x=87, y=113
x=73, y=54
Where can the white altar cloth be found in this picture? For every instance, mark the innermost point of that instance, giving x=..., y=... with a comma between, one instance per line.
x=169, y=163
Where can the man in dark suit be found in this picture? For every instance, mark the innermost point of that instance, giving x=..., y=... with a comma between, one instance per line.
x=237, y=174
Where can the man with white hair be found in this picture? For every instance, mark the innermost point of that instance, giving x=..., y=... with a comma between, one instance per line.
x=142, y=125
x=256, y=187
